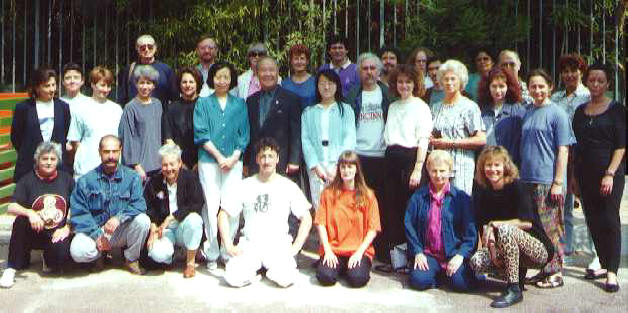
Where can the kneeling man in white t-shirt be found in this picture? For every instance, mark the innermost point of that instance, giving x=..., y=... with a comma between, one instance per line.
x=265, y=200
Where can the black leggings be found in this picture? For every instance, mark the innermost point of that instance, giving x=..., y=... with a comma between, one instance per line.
x=356, y=277
x=24, y=239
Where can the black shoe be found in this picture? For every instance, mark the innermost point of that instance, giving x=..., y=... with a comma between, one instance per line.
x=511, y=296
x=611, y=287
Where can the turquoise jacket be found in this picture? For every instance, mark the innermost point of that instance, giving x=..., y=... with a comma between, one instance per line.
x=341, y=134
x=228, y=130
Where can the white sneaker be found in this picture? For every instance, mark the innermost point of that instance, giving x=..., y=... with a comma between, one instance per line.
x=8, y=278
x=595, y=264
x=212, y=265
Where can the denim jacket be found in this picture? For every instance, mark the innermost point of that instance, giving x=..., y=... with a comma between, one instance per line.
x=98, y=197
x=341, y=134
x=457, y=221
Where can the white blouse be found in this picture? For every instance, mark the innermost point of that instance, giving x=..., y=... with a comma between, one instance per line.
x=409, y=124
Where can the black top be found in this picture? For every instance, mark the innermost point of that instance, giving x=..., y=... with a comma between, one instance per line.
x=26, y=134
x=513, y=201
x=598, y=136
x=177, y=124
x=189, y=197
x=30, y=187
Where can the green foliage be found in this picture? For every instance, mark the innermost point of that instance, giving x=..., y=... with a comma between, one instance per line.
x=458, y=27
x=235, y=25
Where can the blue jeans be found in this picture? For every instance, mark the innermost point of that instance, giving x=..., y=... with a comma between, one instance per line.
x=567, y=238
x=462, y=280
x=187, y=234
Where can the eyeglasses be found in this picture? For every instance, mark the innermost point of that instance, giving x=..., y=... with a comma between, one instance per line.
x=146, y=47
x=257, y=54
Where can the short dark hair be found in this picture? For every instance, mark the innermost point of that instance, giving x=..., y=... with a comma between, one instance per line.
x=433, y=59
x=71, y=67
x=572, y=60
x=541, y=72
x=195, y=74
x=599, y=66
x=219, y=66
x=513, y=91
x=334, y=39
x=266, y=143
x=40, y=76
x=394, y=50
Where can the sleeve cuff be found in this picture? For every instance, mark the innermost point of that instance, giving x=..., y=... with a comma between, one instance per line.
x=96, y=233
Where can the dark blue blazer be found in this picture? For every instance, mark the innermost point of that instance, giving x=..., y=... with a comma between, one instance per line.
x=283, y=123
x=26, y=134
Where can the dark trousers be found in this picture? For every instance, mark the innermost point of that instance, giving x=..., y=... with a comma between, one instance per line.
x=602, y=217
x=461, y=280
x=399, y=164
x=24, y=239
x=356, y=277
x=374, y=171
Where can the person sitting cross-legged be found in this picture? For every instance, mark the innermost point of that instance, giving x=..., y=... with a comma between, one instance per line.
x=174, y=200
x=108, y=211
x=265, y=200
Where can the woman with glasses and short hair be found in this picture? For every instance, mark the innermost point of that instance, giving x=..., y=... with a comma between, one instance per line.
x=248, y=82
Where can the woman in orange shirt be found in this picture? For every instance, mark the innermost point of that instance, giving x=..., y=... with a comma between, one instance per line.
x=347, y=222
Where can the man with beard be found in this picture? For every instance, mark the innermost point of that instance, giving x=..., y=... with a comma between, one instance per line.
x=108, y=211
x=206, y=49
x=370, y=100
x=390, y=57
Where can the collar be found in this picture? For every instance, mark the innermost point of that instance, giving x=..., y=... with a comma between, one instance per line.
x=342, y=67
x=271, y=92
x=446, y=190
x=320, y=106
x=48, y=179
x=117, y=175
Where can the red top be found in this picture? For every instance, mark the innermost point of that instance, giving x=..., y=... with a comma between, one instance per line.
x=345, y=223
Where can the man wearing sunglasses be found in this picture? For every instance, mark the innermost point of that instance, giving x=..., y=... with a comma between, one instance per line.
x=164, y=91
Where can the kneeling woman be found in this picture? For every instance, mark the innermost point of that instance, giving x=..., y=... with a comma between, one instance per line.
x=440, y=229
x=40, y=202
x=347, y=222
x=174, y=199
x=512, y=235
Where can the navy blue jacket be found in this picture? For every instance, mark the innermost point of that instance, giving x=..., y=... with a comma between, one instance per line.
x=457, y=222
x=26, y=134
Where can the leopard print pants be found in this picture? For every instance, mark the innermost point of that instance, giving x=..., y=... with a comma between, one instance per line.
x=512, y=246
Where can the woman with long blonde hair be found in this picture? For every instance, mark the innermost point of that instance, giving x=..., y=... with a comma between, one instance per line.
x=347, y=222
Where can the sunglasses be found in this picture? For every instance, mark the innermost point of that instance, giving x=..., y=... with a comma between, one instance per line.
x=146, y=47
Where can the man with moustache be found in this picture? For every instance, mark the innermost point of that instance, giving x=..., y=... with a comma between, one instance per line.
x=274, y=112
x=206, y=49
x=370, y=100
x=390, y=57
x=108, y=211
x=265, y=201
x=340, y=63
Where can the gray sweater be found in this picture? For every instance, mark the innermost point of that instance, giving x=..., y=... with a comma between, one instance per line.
x=140, y=132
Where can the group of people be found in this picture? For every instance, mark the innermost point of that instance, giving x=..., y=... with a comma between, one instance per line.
x=472, y=172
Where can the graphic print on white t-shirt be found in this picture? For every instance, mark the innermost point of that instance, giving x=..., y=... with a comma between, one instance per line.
x=370, y=129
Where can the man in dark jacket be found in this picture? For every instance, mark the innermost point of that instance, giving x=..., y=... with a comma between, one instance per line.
x=274, y=112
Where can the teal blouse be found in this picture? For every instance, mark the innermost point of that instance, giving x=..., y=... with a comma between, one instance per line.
x=228, y=130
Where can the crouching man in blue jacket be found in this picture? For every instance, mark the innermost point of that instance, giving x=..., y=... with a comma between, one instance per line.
x=108, y=211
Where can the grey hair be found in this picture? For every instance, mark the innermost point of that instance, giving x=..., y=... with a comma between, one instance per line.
x=267, y=59
x=370, y=56
x=514, y=54
x=144, y=38
x=47, y=147
x=170, y=149
x=442, y=156
x=257, y=47
x=146, y=71
x=457, y=68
